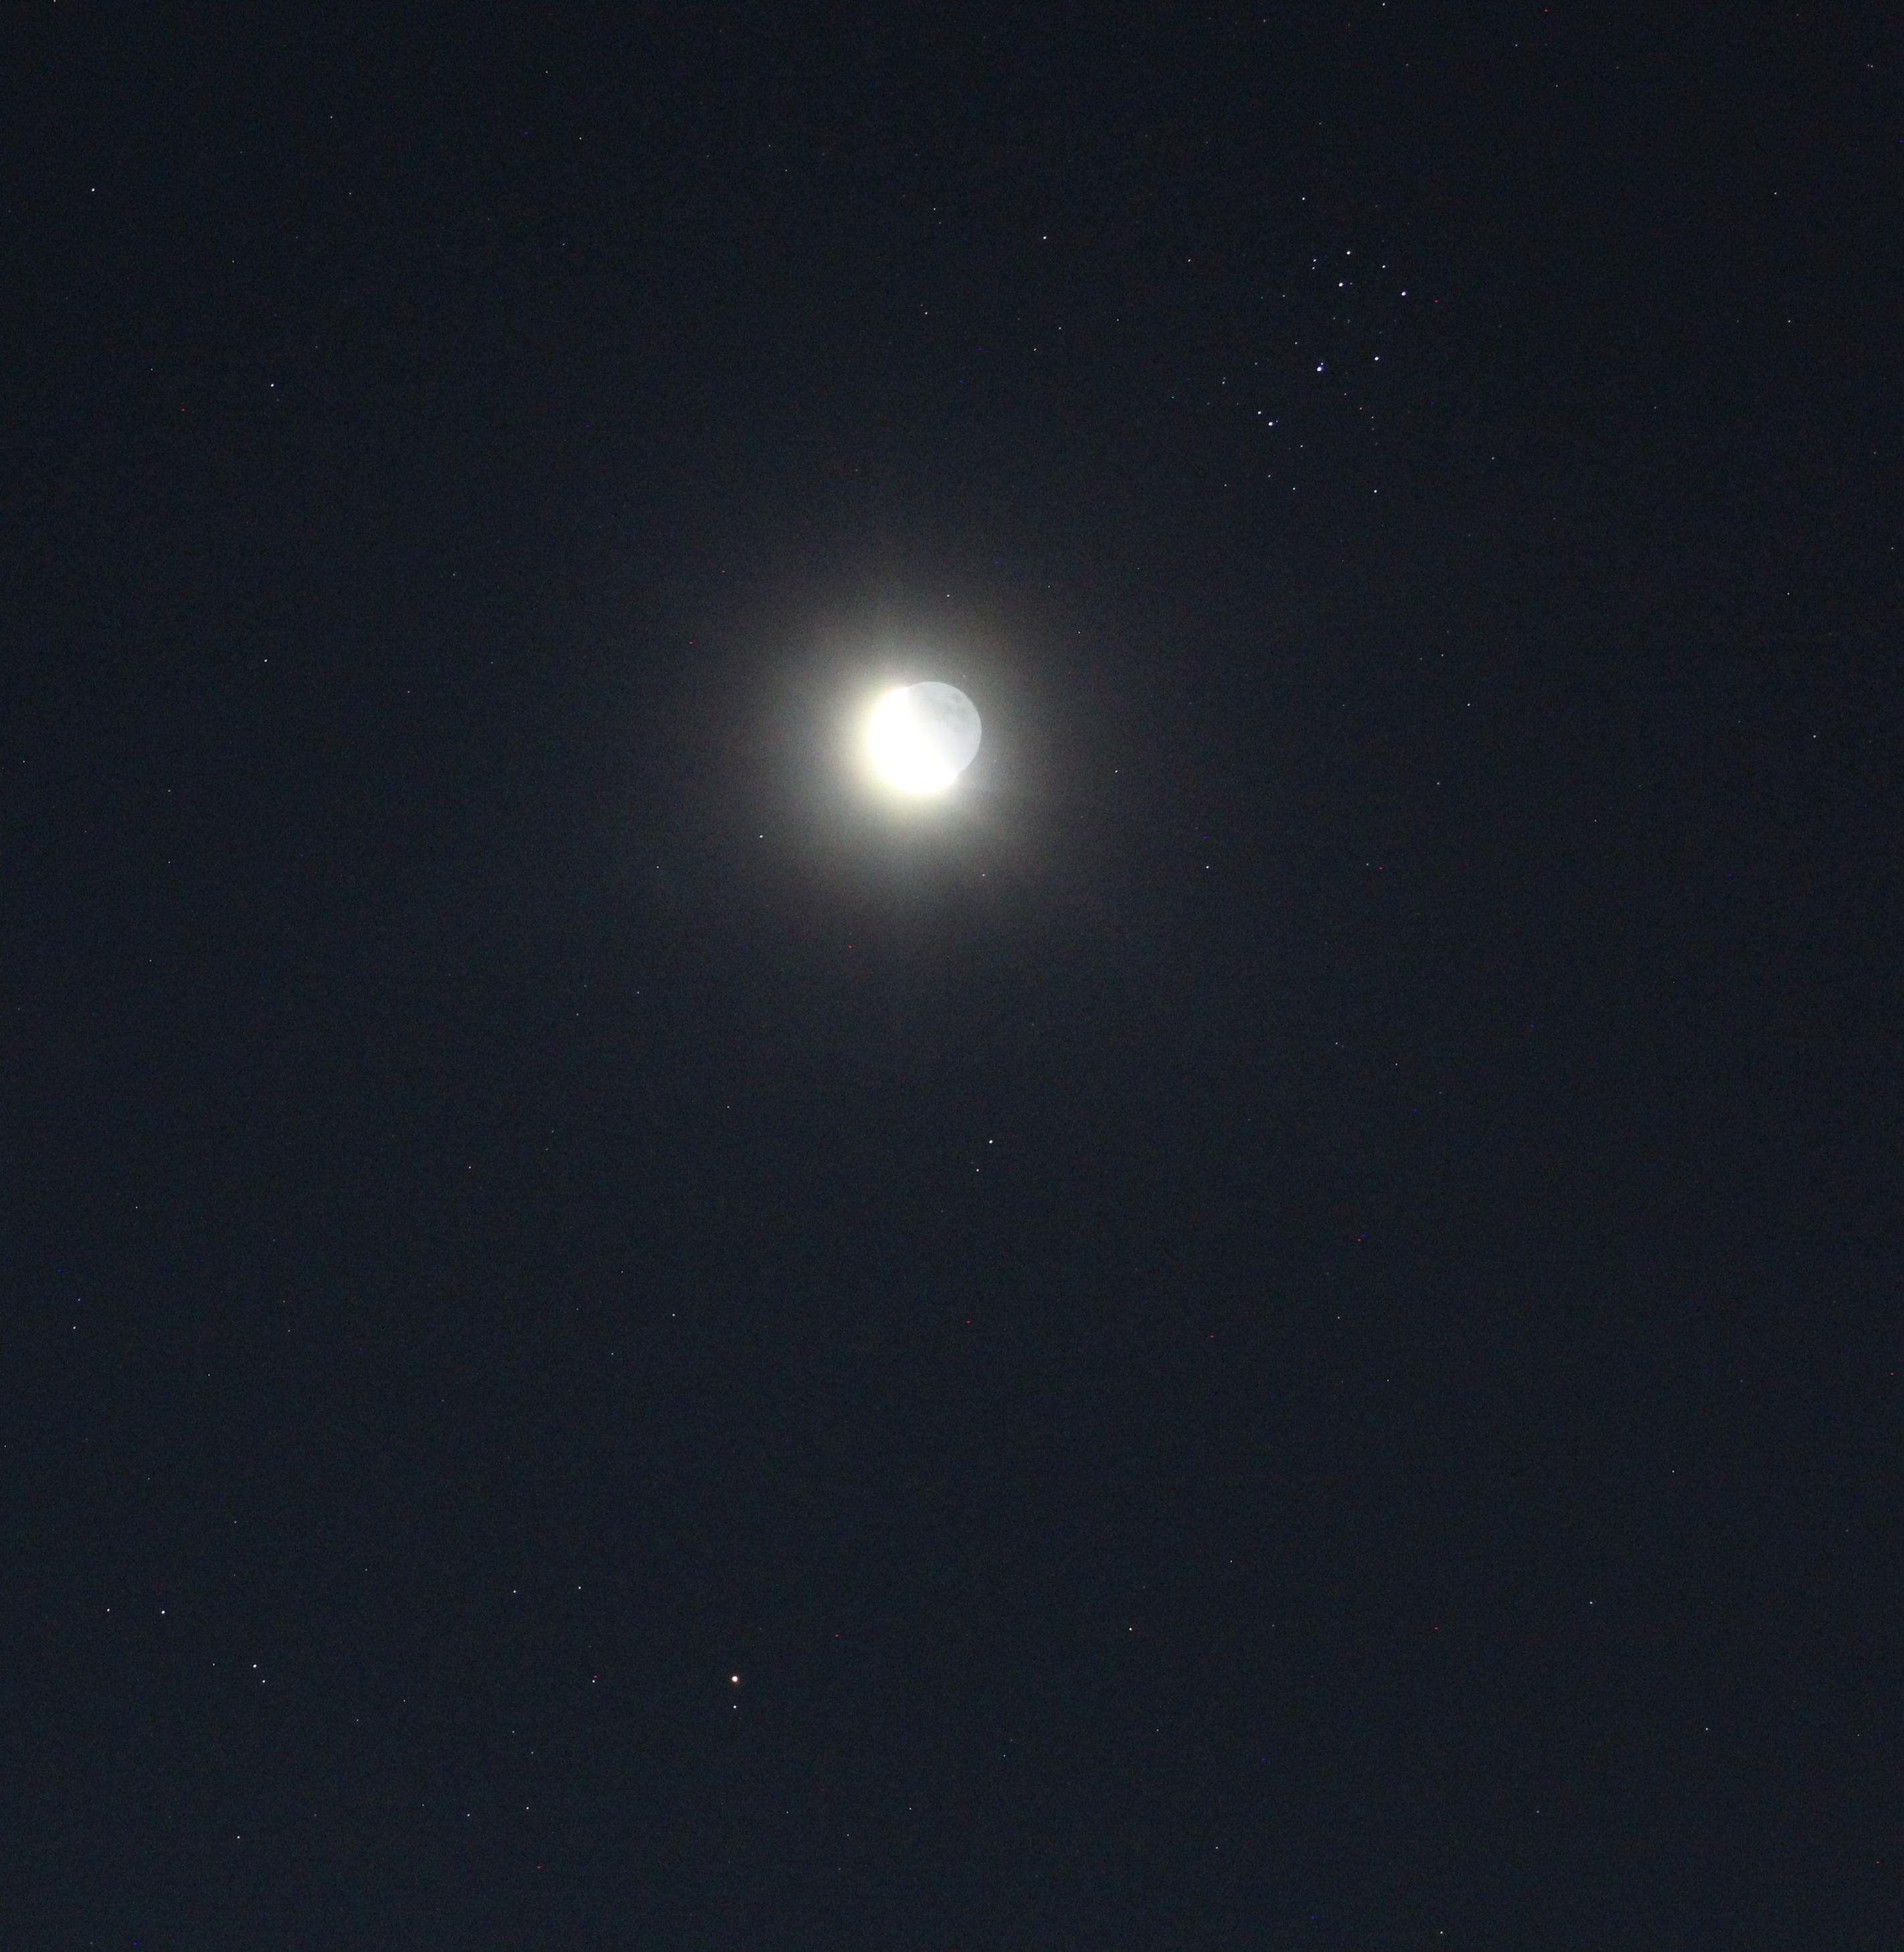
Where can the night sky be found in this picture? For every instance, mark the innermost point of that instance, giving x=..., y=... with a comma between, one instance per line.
x=1274, y=1324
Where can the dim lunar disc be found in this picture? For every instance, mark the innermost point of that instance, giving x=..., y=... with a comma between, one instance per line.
x=922, y=737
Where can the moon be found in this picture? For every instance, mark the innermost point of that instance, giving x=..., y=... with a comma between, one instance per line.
x=922, y=737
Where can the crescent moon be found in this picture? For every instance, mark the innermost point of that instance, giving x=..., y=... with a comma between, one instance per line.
x=922, y=737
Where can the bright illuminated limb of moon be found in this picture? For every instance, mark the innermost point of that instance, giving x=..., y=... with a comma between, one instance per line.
x=922, y=737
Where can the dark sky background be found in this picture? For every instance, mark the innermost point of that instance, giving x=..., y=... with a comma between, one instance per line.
x=1275, y=1326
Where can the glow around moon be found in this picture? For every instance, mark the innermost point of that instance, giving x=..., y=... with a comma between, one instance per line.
x=922, y=737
